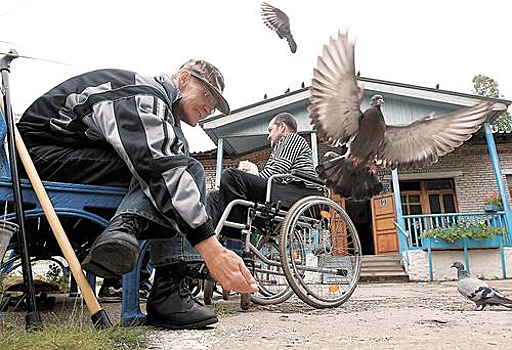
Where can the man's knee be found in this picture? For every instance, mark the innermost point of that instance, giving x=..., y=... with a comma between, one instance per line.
x=229, y=175
x=195, y=167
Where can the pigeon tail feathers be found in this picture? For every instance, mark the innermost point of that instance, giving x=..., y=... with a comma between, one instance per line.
x=348, y=181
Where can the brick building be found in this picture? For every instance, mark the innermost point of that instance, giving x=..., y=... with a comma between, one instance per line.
x=456, y=183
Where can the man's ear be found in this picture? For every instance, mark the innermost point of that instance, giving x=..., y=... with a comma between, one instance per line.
x=183, y=79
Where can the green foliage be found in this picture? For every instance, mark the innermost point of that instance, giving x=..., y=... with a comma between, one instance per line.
x=493, y=199
x=486, y=86
x=477, y=231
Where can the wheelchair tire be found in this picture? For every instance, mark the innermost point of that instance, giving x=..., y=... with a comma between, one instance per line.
x=245, y=301
x=273, y=288
x=208, y=287
x=323, y=267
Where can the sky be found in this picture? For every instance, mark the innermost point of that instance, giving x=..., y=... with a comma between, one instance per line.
x=420, y=43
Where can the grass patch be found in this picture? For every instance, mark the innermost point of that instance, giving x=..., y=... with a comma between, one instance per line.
x=72, y=336
x=222, y=309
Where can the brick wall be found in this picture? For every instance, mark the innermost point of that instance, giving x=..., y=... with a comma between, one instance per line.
x=473, y=161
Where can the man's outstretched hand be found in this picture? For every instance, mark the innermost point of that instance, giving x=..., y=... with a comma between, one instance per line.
x=226, y=267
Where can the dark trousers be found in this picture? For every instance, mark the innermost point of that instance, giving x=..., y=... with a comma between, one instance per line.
x=94, y=166
x=236, y=184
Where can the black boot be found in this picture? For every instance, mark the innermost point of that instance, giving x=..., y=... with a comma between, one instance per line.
x=171, y=305
x=116, y=249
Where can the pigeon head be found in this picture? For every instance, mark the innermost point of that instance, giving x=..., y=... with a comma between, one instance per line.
x=376, y=100
x=458, y=265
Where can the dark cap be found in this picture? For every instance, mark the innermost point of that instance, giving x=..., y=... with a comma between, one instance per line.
x=212, y=77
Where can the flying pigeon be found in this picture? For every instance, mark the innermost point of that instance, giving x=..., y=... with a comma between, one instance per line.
x=279, y=22
x=478, y=291
x=335, y=109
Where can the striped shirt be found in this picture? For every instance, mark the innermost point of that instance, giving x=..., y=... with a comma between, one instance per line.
x=290, y=153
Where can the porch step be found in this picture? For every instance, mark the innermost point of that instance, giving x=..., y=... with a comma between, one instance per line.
x=385, y=267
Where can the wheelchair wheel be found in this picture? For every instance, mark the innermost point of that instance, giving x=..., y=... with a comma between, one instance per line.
x=320, y=252
x=208, y=287
x=273, y=287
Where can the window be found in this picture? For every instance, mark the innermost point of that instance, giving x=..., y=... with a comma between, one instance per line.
x=428, y=197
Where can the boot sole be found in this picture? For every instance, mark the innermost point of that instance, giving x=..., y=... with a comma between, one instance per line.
x=111, y=259
x=161, y=324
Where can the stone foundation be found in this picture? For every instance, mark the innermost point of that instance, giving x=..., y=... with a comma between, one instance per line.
x=484, y=263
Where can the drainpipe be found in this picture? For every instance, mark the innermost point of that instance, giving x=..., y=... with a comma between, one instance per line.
x=493, y=153
x=314, y=149
x=218, y=167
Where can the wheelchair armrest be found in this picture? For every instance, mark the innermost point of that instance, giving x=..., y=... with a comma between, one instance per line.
x=306, y=177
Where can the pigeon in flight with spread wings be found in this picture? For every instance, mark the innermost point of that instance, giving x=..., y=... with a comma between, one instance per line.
x=279, y=22
x=335, y=109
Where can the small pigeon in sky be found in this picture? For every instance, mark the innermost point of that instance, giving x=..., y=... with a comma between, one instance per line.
x=478, y=291
x=287, y=90
x=335, y=109
x=279, y=22
x=265, y=96
x=302, y=85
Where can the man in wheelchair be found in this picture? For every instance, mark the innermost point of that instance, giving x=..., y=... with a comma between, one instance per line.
x=290, y=153
x=118, y=128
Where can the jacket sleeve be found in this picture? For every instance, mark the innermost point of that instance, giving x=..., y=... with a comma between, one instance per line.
x=141, y=130
x=284, y=155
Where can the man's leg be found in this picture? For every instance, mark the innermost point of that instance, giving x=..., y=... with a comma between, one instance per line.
x=236, y=184
x=170, y=303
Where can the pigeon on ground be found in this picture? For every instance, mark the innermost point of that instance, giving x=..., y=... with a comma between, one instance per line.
x=335, y=108
x=279, y=22
x=478, y=291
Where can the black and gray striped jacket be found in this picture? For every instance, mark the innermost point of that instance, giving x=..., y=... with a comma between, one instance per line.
x=290, y=153
x=133, y=113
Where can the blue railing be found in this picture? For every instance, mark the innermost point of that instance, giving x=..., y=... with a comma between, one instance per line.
x=416, y=224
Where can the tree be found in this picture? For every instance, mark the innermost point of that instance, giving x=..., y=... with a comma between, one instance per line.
x=486, y=86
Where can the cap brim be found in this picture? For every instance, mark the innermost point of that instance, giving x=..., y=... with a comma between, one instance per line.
x=223, y=105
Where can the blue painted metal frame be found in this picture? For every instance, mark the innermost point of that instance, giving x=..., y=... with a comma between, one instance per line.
x=493, y=153
x=74, y=200
x=220, y=154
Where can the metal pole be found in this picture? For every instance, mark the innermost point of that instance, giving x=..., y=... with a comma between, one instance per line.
x=33, y=318
x=314, y=149
x=218, y=168
x=493, y=153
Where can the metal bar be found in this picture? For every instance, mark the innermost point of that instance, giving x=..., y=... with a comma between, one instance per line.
x=466, y=256
x=314, y=149
x=33, y=317
x=429, y=253
x=218, y=166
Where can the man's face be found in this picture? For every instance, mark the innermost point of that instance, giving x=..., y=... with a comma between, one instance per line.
x=197, y=102
x=275, y=132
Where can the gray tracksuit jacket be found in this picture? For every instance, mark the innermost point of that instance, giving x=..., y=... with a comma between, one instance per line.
x=132, y=113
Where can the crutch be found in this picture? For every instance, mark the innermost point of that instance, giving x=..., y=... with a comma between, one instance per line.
x=98, y=316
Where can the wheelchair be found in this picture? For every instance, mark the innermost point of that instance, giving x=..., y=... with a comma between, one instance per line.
x=299, y=241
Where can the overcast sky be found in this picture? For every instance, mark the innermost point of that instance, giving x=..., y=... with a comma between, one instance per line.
x=421, y=43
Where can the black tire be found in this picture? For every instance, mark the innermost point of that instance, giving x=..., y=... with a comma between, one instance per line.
x=209, y=286
x=245, y=301
x=323, y=269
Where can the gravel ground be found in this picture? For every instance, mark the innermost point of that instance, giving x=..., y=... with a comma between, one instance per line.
x=378, y=316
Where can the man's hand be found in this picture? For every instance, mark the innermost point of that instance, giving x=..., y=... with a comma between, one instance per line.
x=226, y=267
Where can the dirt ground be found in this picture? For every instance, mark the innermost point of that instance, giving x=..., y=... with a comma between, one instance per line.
x=377, y=316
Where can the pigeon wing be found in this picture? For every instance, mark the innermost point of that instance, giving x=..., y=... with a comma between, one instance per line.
x=472, y=288
x=275, y=19
x=422, y=142
x=335, y=96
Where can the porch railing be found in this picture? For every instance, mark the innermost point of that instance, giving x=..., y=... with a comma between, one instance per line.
x=416, y=224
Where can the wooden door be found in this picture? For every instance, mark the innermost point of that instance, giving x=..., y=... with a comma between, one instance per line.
x=385, y=238
x=338, y=229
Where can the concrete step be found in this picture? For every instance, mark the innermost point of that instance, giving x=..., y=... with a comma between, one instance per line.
x=385, y=267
